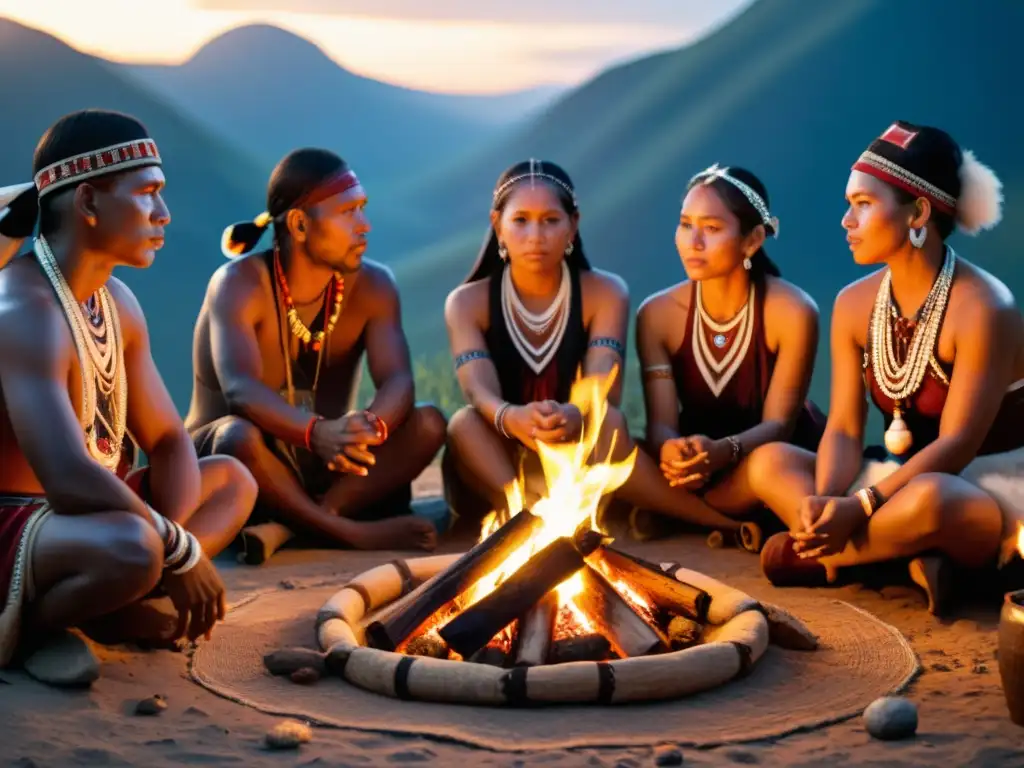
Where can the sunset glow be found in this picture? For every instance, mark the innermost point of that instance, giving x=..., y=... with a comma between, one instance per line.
x=445, y=54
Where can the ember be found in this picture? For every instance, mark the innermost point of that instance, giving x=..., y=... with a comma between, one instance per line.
x=544, y=586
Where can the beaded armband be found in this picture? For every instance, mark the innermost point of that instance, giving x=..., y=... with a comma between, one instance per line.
x=653, y=372
x=607, y=342
x=469, y=357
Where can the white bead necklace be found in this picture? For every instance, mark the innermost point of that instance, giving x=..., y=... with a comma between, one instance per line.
x=718, y=373
x=517, y=317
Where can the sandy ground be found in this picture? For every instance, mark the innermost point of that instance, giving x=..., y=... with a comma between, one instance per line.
x=963, y=719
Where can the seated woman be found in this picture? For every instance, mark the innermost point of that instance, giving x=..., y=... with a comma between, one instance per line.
x=938, y=345
x=531, y=315
x=734, y=346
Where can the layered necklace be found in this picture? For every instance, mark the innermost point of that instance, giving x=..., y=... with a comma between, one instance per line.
x=718, y=373
x=551, y=322
x=899, y=379
x=96, y=330
x=336, y=290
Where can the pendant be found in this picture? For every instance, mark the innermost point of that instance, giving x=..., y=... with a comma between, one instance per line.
x=897, y=437
x=719, y=340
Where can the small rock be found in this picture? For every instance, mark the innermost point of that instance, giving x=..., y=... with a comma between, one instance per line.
x=668, y=756
x=288, y=660
x=305, y=676
x=288, y=734
x=891, y=717
x=154, y=705
x=979, y=669
x=683, y=633
x=941, y=668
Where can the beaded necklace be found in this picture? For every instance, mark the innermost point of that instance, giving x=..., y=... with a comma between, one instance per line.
x=295, y=324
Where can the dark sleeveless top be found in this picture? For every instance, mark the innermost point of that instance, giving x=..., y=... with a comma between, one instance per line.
x=923, y=412
x=519, y=384
x=740, y=405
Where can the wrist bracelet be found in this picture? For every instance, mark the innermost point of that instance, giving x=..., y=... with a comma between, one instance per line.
x=499, y=418
x=309, y=432
x=195, y=552
x=867, y=501
x=737, y=450
x=174, y=537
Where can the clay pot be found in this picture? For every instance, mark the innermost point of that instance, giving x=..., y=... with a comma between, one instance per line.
x=1011, y=654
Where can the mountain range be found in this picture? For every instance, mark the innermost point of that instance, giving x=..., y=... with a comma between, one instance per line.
x=791, y=90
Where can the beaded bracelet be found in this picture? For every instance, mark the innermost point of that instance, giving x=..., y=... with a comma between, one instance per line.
x=180, y=546
x=309, y=432
x=499, y=418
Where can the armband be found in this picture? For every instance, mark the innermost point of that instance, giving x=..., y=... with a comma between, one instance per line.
x=469, y=357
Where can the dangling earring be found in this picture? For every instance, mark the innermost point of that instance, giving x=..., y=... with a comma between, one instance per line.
x=747, y=264
x=569, y=249
x=918, y=236
x=502, y=252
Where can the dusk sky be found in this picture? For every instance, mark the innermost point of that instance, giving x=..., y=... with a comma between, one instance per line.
x=443, y=45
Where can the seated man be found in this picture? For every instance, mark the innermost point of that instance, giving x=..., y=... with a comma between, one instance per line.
x=277, y=352
x=83, y=539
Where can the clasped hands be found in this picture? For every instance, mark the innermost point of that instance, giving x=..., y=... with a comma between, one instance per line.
x=546, y=421
x=344, y=443
x=826, y=525
x=689, y=462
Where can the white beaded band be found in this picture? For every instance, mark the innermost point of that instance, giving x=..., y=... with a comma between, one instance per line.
x=865, y=501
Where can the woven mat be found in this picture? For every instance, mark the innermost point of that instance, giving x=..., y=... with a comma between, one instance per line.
x=860, y=659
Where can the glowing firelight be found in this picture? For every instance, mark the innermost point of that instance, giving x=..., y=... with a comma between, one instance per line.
x=575, y=486
x=1020, y=539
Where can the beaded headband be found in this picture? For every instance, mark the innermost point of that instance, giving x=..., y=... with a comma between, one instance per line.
x=708, y=175
x=115, y=158
x=533, y=175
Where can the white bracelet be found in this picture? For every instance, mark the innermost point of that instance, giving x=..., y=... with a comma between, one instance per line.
x=865, y=502
x=194, y=556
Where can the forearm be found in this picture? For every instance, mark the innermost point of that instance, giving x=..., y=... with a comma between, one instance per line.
x=771, y=431
x=84, y=487
x=944, y=455
x=174, y=478
x=485, y=397
x=659, y=433
x=268, y=411
x=394, y=400
x=840, y=457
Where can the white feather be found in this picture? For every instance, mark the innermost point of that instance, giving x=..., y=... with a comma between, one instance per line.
x=980, y=205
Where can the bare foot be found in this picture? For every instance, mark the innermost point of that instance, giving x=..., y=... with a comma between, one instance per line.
x=62, y=659
x=405, y=532
x=931, y=573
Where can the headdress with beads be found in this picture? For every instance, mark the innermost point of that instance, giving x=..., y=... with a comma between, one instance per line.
x=708, y=175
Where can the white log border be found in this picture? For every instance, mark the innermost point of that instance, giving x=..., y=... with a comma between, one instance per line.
x=737, y=636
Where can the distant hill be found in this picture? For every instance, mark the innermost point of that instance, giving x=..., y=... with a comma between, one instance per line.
x=271, y=91
x=791, y=89
x=209, y=181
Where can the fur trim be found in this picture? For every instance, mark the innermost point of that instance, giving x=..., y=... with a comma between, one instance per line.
x=981, y=197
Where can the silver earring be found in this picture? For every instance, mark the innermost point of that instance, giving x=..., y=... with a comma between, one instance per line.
x=918, y=236
x=503, y=252
x=569, y=249
x=747, y=264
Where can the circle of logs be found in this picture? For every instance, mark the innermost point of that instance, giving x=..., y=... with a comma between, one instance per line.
x=737, y=635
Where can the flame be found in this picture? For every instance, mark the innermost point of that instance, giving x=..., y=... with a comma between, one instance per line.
x=575, y=486
x=1020, y=539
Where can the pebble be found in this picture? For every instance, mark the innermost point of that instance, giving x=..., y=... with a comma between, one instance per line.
x=668, y=756
x=288, y=734
x=305, y=676
x=891, y=717
x=154, y=705
x=285, y=661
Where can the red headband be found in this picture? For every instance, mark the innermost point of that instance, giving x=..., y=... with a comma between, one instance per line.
x=334, y=185
x=120, y=157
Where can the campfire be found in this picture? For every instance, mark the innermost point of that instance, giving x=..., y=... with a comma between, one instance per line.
x=545, y=585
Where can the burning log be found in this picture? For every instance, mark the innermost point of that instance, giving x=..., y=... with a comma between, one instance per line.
x=629, y=633
x=389, y=633
x=493, y=654
x=683, y=633
x=659, y=587
x=535, y=632
x=473, y=628
x=581, y=648
x=427, y=644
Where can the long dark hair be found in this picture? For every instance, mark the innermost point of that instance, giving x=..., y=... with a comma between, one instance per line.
x=760, y=265
x=294, y=176
x=489, y=262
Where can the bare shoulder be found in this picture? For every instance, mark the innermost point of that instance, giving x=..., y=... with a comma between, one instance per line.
x=376, y=281
x=785, y=300
x=978, y=286
x=246, y=275
x=468, y=304
x=604, y=286
x=665, y=303
x=32, y=323
x=858, y=296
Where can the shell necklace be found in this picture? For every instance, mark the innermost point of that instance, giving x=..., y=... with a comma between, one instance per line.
x=101, y=360
x=554, y=319
x=897, y=380
x=718, y=373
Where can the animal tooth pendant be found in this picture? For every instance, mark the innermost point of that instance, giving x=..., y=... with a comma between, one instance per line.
x=897, y=437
